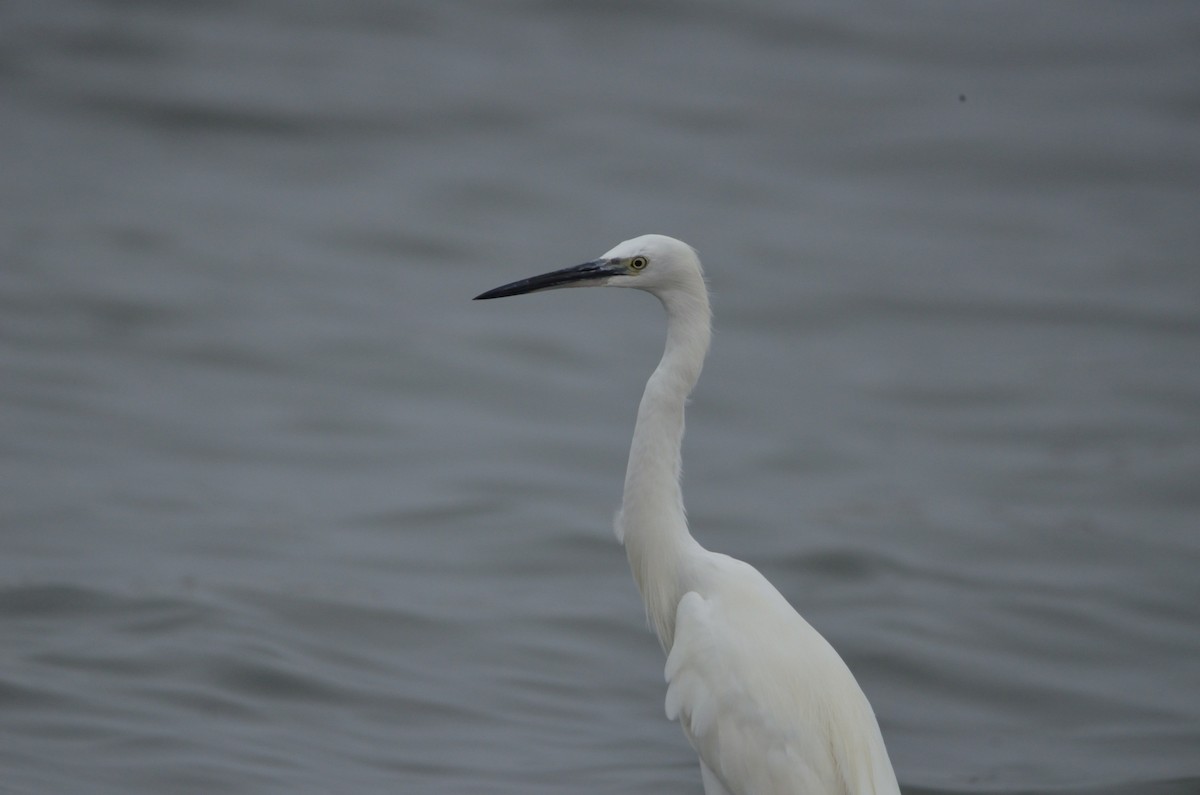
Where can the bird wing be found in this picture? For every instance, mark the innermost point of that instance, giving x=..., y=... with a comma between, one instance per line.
x=766, y=702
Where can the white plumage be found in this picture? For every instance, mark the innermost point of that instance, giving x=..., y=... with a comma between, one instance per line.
x=766, y=702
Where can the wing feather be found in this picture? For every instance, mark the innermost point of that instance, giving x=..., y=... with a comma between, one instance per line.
x=764, y=699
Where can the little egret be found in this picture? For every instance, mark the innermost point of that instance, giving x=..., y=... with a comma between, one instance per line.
x=764, y=699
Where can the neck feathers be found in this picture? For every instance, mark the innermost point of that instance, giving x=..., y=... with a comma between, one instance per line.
x=652, y=522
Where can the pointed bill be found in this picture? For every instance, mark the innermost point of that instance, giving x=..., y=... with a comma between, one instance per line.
x=585, y=275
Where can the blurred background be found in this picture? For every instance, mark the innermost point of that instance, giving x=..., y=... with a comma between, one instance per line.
x=282, y=510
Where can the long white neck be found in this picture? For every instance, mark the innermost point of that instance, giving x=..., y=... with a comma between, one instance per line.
x=652, y=523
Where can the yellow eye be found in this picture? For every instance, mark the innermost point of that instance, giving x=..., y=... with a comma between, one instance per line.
x=637, y=263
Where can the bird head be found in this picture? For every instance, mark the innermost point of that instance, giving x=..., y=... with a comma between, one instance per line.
x=654, y=263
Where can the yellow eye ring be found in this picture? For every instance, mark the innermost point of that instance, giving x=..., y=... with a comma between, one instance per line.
x=637, y=263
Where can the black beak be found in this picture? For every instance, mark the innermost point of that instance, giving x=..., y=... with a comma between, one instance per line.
x=583, y=275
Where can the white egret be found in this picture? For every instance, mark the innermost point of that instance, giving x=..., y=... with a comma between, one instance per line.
x=766, y=702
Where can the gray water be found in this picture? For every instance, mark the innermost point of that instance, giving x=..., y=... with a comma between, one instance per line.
x=282, y=510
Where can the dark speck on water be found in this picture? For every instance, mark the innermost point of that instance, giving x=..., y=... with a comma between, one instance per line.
x=284, y=511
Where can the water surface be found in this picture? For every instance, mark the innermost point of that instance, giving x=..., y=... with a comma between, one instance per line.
x=283, y=511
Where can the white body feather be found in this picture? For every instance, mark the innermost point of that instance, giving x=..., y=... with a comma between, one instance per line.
x=766, y=702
